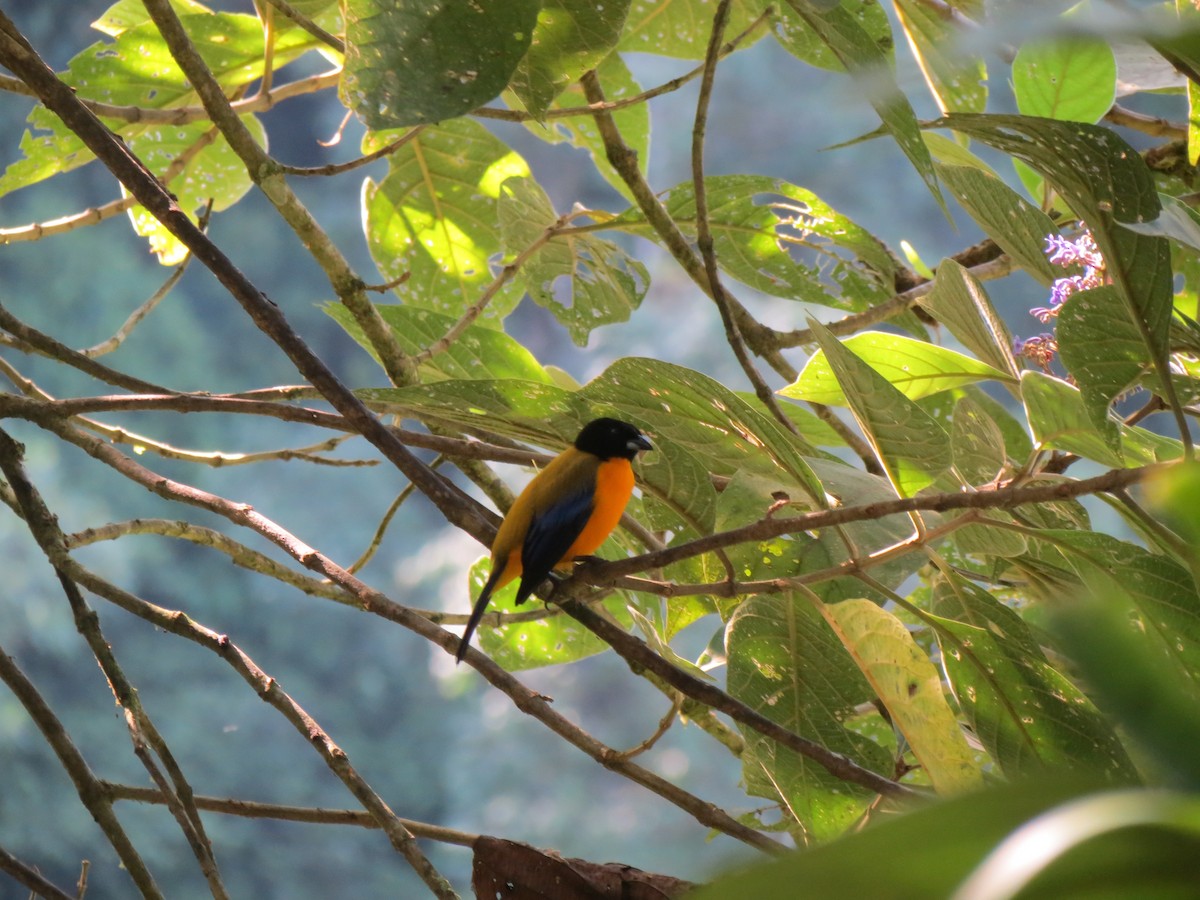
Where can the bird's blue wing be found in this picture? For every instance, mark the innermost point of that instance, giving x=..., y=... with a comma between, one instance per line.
x=550, y=536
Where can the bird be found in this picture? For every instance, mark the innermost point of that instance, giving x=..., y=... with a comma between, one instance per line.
x=566, y=511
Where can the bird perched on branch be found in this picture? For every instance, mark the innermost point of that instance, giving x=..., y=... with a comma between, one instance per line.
x=566, y=511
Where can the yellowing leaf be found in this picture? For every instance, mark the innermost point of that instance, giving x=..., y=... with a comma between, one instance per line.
x=908, y=684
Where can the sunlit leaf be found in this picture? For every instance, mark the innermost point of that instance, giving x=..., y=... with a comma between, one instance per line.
x=907, y=683
x=435, y=218
x=584, y=280
x=912, y=446
x=915, y=368
x=786, y=662
x=476, y=353
x=1072, y=78
x=571, y=37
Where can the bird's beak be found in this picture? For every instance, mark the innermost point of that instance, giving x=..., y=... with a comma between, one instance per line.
x=641, y=442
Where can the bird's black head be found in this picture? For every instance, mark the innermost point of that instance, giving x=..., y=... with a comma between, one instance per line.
x=607, y=438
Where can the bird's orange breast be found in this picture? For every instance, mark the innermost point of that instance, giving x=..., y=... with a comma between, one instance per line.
x=614, y=487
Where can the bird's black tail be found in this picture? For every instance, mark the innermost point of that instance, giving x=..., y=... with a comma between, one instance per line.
x=477, y=613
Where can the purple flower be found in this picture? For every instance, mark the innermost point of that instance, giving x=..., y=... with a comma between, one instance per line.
x=1064, y=252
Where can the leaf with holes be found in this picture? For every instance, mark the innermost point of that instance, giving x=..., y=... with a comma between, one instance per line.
x=137, y=69
x=784, y=240
x=1028, y=714
x=1017, y=226
x=571, y=37
x=426, y=61
x=584, y=280
x=786, y=663
x=435, y=218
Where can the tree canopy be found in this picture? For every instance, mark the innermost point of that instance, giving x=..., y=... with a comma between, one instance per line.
x=913, y=563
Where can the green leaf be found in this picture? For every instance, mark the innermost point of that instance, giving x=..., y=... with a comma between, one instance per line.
x=786, y=663
x=912, y=446
x=851, y=486
x=925, y=853
x=1028, y=714
x=1100, y=347
x=1018, y=227
x=1059, y=421
x=581, y=131
x=126, y=14
x=691, y=411
x=435, y=217
x=1177, y=221
x=959, y=301
x=1134, y=682
x=426, y=61
x=977, y=443
x=1106, y=182
x=862, y=56
x=957, y=81
x=988, y=542
x=915, y=368
x=1017, y=444
x=907, y=683
x=1071, y=78
x=571, y=38
x=1160, y=590
x=137, y=69
x=481, y=353
x=783, y=240
x=680, y=28
x=553, y=640
x=805, y=43
x=1059, y=418
x=583, y=280
x=948, y=152
x=215, y=173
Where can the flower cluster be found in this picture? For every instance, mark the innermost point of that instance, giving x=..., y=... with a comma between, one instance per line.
x=1082, y=251
x=1039, y=349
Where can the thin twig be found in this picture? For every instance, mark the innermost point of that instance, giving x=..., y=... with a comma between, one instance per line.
x=367, y=598
x=704, y=239
x=309, y=25
x=881, y=312
x=97, y=214
x=249, y=809
x=45, y=529
x=86, y=783
x=1155, y=126
x=268, y=176
x=184, y=115
x=338, y=168
x=141, y=729
x=44, y=343
x=381, y=529
x=31, y=878
x=505, y=275
x=156, y=298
